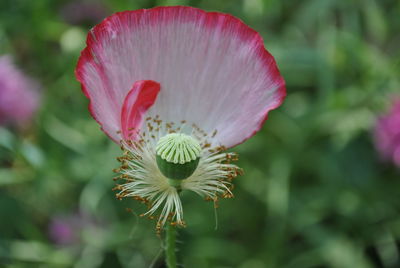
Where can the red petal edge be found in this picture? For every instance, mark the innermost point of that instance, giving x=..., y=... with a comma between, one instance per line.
x=245, y=33
x=138, y=100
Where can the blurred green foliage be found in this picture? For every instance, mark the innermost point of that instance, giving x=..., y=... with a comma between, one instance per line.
x=314, y=193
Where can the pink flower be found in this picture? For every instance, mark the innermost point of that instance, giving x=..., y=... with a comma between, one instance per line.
x=64, y=231
x=78, y=12
x=204, y=76
x=67, y=229
x=19, y=97
x=387, y=134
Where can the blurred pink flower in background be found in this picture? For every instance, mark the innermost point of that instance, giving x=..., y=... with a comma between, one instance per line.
x=81, y=12
x=67, y=229
x=19, y=96
x=387, y=134
x=64, y=231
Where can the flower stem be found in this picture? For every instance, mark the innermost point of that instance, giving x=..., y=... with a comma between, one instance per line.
x=170, y=250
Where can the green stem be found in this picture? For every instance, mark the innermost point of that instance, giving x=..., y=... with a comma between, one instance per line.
x=170, y=250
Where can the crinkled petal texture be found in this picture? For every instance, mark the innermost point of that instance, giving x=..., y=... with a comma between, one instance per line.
x=213, y=70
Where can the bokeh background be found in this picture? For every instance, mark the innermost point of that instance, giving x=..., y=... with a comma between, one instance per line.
x=315, y=192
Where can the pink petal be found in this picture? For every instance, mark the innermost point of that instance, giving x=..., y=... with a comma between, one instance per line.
x=139, y=99
x=214, y=70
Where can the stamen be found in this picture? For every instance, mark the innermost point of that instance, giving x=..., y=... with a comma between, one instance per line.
x=141, y=178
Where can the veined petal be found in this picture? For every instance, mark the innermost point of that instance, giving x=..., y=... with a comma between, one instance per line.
x=138, y=100
x=214, y=70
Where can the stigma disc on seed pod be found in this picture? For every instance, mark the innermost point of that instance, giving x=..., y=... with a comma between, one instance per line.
x=177, y=155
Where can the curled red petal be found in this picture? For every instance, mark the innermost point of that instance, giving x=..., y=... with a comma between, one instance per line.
x=138, y=100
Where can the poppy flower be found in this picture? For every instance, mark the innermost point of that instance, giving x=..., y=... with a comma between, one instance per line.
x=387, y=134
x=176, y=87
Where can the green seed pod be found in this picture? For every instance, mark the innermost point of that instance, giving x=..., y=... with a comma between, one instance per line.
x=176, y=171
x=178, y=155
